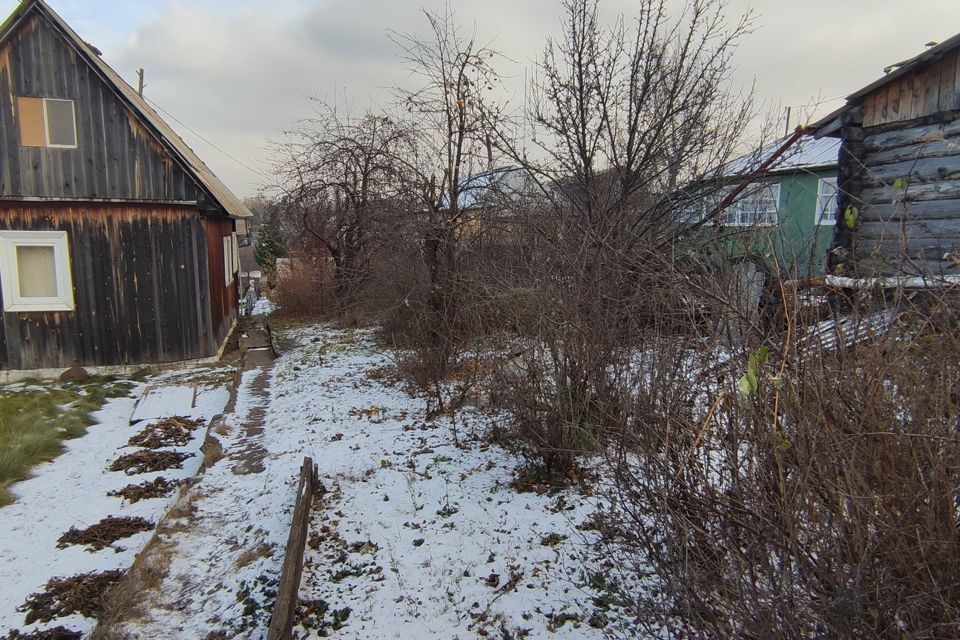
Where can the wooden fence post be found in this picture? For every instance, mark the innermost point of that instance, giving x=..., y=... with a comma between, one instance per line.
x=284, y=610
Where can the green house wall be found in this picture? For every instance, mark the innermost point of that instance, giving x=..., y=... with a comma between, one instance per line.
x=798, y=242
x=798, y=245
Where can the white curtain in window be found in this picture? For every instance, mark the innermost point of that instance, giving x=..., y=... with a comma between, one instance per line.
x=37, y=271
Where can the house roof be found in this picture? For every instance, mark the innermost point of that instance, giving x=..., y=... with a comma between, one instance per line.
x=830, y=124
x=479, y=189
x=191, y=162
x=807, y=154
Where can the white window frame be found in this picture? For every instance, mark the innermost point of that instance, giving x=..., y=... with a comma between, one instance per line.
x=46, y=124
x=821, y=217
x=734, y=216
x=10, y=279
x=235, y=251
x=227, y=260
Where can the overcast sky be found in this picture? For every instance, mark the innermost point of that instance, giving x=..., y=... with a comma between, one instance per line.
x=239, y=72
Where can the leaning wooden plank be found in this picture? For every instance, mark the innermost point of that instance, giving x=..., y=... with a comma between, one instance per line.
x=284, y=609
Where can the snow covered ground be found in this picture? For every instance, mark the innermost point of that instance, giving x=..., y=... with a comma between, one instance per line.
x=418, y=537
x=222, y=547
x=418, y=534
x=264, y=306
x=71, y=491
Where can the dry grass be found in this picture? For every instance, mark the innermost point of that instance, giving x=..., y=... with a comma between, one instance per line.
x=212, y=451
x=148, y=460
x=83, y=594
x=104, y=533
x=262, y=550
x=129, y=599
x=156, y=488
x=36, y=417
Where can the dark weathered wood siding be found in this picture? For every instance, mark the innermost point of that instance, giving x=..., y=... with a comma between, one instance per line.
x=900, y=169
x=140, y=283
x=930, y=90
x=224, y=298
x=118, y=157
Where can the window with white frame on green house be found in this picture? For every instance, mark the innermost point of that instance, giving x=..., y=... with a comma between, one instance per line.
x=827, y=192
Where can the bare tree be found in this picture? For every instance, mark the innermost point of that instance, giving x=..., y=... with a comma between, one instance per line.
x=624, y=117
x=452, y=111
x=342, y=178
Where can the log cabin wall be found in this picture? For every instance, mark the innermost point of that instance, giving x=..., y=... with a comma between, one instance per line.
x=140, y=285
x=117, y=157
x=224, y=297
x=900, y=168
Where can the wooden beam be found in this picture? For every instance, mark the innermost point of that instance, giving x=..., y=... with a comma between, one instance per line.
x=285, y=608
x=948, y=82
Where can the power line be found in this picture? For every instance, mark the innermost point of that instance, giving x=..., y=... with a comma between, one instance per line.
x=188, y=128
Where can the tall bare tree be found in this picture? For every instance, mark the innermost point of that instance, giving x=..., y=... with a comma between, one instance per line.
x=342, y=179
x=624, y=117
x=453, y=111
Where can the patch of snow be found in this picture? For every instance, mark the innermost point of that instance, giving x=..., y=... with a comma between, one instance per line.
x=71, y=491
x=164, y=401
x=264, y=306
x=227, y=554
x=422, y=538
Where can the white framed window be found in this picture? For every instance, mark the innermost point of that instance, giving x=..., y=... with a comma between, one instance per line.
x=235, y=246
x=231, y=258
x=827, y=203
x=757, y=206
x=47, y=122
x=227, y=260
x=60, y=122
x=35, y=271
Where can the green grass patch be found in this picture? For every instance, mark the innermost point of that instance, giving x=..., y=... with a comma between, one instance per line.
x=36, y=417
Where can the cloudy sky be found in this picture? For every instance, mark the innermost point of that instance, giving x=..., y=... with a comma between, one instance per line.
x=239, y=72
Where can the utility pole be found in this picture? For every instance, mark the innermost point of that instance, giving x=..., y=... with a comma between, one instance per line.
x=140, y=82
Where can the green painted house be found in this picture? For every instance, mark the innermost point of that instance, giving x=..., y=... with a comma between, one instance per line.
x=788, y=213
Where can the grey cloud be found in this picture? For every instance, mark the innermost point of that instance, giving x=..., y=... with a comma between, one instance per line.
x=241, y=71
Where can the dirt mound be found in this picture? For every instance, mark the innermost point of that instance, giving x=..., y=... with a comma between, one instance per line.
x=56, y=633
x=157, y=488
x=82, y=594
x=176, y=431
x=104, y=533
x=147, y=461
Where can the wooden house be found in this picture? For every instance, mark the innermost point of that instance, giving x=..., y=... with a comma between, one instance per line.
x=899, y=172
x=117, y=243
x=786, y=213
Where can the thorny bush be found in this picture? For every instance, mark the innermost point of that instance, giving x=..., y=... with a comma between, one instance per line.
x=824, y=504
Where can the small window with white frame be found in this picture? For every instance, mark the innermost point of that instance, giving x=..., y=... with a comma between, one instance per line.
x=47, y=122
x=757, y=206
x=231, y=258
x=35, y=271
x=827, y=204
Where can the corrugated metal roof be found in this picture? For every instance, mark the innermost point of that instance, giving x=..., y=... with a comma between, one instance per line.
x=192, y=163
x=808, y=153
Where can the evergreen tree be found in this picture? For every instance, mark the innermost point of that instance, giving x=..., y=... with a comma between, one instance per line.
x=270, y=243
